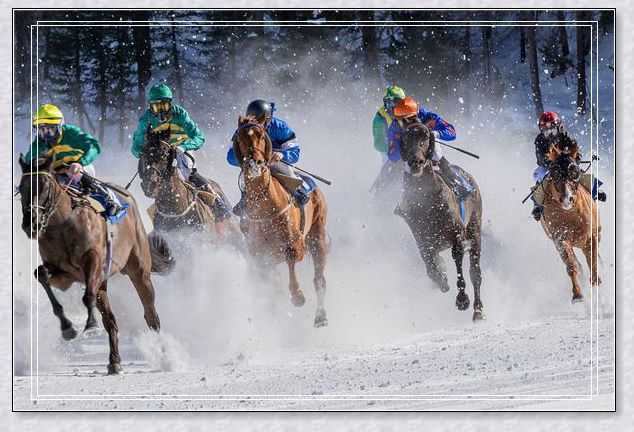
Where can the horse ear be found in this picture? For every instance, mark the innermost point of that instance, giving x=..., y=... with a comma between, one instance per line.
x=23, y=164
x=240, y=120
x=44, y=164
x=553, y=152
x=432, y=143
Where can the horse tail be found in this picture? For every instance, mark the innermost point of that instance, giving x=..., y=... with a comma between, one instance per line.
x=162, y=260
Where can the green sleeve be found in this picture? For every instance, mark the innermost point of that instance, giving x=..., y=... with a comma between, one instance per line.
x=196, y=137
x=379, y=129
x=36, y=151
x=77, y=138
x=138, y=140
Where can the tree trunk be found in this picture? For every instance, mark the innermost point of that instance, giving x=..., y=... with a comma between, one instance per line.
x=563, y=34
x=531, y=46
x=143, y=54
x=583, y=48
x=178, y=77
x=486, y=58
x=370, y=49
x=77, y=85
x=522, y=45
x=102, y=88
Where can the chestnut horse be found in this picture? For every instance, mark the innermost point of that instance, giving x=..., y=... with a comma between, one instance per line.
x=72, y=242
x=273, y=221
x=433, y=213
x=571, y=217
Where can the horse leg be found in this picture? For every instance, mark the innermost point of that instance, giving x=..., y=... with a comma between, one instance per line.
x=68, y=330
x=93, y=274
x=475, y=272
x=139, y=274
x=110, y=324
x=457, y=253
x=435, y=266
x=319, y=248
x=297, y=296
x=567, y=256
x=591, y=252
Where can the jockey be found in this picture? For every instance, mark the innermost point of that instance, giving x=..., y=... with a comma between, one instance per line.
x=73, y=150
x=185, y=136
x=408, y=108
x=285, y=147
x=552, y=129
x=384, y=117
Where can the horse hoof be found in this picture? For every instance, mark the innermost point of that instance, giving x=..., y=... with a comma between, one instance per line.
x=478, y=316
x=321, y=322
x=92, y=331
x=577, y=298
x=69, y=334
x=115, y=369
x=462, y=301
x=298, y=299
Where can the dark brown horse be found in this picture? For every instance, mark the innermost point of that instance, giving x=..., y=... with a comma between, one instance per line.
x=433, y=213
x=571, y=217
x=72, y=241
x=273, y=221
x=178, y=203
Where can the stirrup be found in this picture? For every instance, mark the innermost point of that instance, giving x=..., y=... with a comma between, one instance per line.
x=537, y=213
x=602, y=196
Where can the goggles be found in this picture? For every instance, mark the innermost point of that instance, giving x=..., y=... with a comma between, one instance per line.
x=390, y=103
x=160, y=106
x=549, y=129
x=47, y=131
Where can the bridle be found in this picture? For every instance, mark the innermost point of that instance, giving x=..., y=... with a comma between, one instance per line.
x=50, y=206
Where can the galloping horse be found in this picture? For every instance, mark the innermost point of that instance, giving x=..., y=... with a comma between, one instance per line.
x=274, y=226
x=73, y=243
x=437, y=219
x=178, y=204
x=571, y=217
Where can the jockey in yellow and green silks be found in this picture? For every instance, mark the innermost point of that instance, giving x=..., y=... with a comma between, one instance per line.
x=185, y=136
x=385, y=116
x=73, y=151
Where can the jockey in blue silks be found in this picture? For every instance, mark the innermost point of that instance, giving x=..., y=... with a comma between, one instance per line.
x=285, y=148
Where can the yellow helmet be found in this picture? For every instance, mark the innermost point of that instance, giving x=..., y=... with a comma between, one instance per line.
x=48, y=114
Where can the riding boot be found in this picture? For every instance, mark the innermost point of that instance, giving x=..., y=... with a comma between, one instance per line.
x=538, y=209
x=449, y=176
x=219, y=208
x=300, y=197
x=240, y=208
x=90, y=185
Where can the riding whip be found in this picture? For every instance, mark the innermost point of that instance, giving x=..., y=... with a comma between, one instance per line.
x=459, y=149
x=321, y=179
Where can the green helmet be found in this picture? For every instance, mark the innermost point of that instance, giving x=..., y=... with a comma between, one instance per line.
x=393, y=92
x=160, y=92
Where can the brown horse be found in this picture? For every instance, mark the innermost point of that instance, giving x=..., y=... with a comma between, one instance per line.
x=433, y=213
x=273, y=221
x=178, y=203
x=571, y=217
x=72, y=242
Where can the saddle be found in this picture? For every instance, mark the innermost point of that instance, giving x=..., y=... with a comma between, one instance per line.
x=97, y=202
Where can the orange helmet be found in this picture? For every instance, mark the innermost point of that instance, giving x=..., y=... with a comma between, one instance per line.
x=406, y=107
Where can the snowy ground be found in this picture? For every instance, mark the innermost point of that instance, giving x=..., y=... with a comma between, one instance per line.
x=232, y=341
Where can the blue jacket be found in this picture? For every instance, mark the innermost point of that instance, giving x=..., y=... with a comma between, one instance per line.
x=281, y=136
x=432, y=120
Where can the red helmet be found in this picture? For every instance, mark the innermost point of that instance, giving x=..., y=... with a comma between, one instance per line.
x=548, y=120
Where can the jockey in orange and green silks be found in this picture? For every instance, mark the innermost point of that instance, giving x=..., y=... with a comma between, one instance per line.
x=73, y=151
x=384, y=117
x=185, y=136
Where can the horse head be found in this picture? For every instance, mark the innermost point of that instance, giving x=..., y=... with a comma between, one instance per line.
x=417, y=145
x=156, y=161
x=36, y=194
x=564, y=174
x=252, y=147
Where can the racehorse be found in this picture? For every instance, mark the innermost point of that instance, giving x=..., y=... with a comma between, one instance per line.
x=74, y=246
x=571, y=217
x=276, y=230
x=178, y=203
x=437, y=219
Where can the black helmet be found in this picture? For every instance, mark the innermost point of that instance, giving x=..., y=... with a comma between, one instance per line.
x=260, y=109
